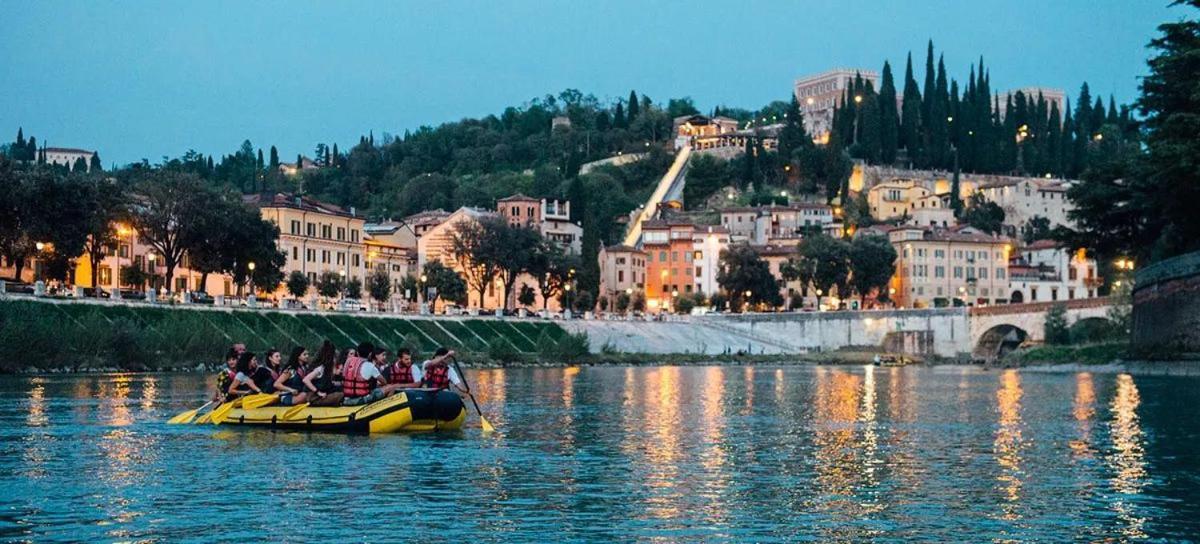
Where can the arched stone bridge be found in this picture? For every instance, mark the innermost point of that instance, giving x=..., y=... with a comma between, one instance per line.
x=995, y=330
x=984, y=333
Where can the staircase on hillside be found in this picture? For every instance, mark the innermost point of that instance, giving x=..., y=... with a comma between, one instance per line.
x=669, y=187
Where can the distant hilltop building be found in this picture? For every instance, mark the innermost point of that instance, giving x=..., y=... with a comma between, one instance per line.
x=68, y=156
x=819, y=94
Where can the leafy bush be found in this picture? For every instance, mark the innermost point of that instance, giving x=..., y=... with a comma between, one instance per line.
x=571, y=346
x=1090, y=331
x=1056, y=330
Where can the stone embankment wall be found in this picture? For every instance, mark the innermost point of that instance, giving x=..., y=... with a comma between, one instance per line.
x=943, y=332
x=1166, y=307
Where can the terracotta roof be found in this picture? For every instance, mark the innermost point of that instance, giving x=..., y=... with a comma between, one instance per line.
x=518, y=197
x=66, y=150
x=1054, y=187
x=622, y=248
x=797, y=206
x=426, y=217
x=298, y=202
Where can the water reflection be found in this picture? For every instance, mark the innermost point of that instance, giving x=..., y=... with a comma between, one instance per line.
x=1127, y=458
x=1009, y=445
x=626, y=454
x=1084, y=410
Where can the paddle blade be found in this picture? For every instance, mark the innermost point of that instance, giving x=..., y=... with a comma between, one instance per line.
x=258, y=401
x=487, y=427
x=204, y=419
x=185, y=417
x=219, y=414
x=293, y=412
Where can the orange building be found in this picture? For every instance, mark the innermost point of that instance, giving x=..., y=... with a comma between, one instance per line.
x=668, y=246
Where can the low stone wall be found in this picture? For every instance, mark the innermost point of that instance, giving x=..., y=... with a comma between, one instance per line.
x=1166, y=307
x=942, y=332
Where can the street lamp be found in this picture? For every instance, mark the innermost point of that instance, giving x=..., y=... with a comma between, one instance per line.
x=250, y=266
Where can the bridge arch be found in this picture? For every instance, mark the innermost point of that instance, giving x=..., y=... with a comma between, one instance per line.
x=999, y=340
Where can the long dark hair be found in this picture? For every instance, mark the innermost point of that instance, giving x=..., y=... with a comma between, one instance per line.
x=267, y=358
x=325, y=357
x=294, y=363
x=243, y=365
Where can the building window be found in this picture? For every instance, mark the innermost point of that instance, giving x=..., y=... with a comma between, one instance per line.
x=295, y=227
x=341, y=233
x=999, y=273
x=310, y=230
x=699, y=272
x=958, y=272
x=357, y=259
x=662, y=256
x=353, y=235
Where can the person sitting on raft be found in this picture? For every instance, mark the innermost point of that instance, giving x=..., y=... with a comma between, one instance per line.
x=402, y=373
x=438, y=374
x=323, y=382
x=290, y=382
x=226, y=375
x=262, y=374
x=243, y=383
x=362, y=381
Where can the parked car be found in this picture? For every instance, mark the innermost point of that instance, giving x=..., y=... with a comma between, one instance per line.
x=90, y=292
x=200, y=297
x=18, y=287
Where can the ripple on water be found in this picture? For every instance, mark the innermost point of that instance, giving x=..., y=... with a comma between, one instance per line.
x=603, y=454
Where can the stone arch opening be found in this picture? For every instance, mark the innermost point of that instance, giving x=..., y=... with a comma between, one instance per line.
x=999, y=340
x=1016, y=298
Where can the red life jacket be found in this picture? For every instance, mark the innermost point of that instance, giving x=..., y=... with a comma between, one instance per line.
x=353, y=384
x=400, y=373
x=437, y=377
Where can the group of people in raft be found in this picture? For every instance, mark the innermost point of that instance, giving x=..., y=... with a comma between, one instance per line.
x=350, y=377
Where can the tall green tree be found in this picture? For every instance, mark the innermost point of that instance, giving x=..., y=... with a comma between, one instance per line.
x=872, y=262
x=910, y=120
x=634, y=109
x=827, y=261
x=889, y=117
x=747, y=277
x=168, y=204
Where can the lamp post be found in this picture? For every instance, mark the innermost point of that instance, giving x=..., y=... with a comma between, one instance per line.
x=857, y=102
x=250, y=267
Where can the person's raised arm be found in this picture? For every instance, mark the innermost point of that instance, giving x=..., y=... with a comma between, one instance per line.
x=308, y=380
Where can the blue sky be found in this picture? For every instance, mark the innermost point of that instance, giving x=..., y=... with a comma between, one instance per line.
x=146, y=79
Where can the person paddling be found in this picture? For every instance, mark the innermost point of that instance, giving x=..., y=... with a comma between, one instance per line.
x=402, y=373
x=439, y=375
x=226, y=375
x=290, y=382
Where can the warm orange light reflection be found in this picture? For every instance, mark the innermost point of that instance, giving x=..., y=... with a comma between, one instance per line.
x=1127, y=458
x=1083, y=409
x=1009, y=445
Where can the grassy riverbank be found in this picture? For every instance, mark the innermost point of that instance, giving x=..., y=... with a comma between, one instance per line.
x=74, y=336
x=1087, y=354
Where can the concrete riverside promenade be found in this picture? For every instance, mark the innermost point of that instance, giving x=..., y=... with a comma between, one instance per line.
x=981, y=332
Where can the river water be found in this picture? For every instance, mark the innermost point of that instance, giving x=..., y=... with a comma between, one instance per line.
x=625, y=454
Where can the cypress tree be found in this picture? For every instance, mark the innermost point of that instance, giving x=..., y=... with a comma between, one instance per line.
x=792, y=137
x=1113, y=117
x=1054, y=141
x=749, y=168
x=258, y=162
x=299, y=162
x=18, y=149
x=274, y=159
x=96, y=166
x=80, y=165
x=870, y=132
x=1098, y=115
x=928, y=92
x=910, y=121
x=938, y=130
x=633, y=107
x=337, y=157
x=32, y=153
x=619, y=116
x=889, y=118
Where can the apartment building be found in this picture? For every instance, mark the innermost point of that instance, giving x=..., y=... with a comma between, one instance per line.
x=551, y=217
x=708, y=241
x=669, y=257
x=1026, y=198
x=760, y=225
x=944, y=267
x=1046, y=270
x=316, y=236
x=622, y=270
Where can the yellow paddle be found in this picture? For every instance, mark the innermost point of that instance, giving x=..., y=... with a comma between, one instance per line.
x=204, y=419
x=187, y=416
x=293, y=411
x=218, y=415
x=258, y=401
x=483, y=422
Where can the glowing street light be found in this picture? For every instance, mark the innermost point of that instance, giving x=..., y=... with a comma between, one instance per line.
x=858, y=99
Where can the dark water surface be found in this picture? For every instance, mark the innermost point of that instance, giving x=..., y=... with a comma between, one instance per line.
x=647, y=454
